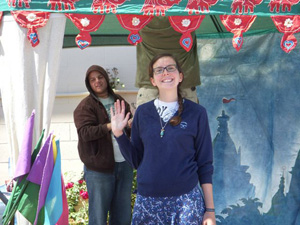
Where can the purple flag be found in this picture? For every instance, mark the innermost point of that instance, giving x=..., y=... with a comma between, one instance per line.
x=24, y=159
x=41, y=172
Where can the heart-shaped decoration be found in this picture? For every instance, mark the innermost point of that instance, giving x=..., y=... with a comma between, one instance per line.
x=186, y=42
x=82, y=44
x=134, y=38
x=238, y=41
x=288, y=44
x=33, y=37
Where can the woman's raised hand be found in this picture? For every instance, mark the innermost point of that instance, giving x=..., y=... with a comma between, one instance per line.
x=118, y=118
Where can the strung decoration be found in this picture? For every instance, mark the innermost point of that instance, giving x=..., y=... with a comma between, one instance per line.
x=12, y=3
x=133, y=23
x=186, y=25
x=86, y=24
x=1, y=14
x=108, y=5
x=202, y=5
x=68, y=4
x=160, y=7
x=248, y=5
x=287, y=25
x=237, y=24
x=31, y=20
x=285, y=4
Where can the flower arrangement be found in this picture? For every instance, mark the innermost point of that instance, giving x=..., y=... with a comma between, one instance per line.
x=78, y=205
x=77, y=197
x=114, y=80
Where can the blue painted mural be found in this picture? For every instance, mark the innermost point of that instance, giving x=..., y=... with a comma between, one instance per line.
x=252, y=99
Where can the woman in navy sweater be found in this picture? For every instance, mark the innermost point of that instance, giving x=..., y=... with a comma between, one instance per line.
x=171, y=149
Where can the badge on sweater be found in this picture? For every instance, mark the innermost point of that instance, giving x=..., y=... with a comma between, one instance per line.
x=32, y=21
x=237, y=24
x=288, y=25
x=186, y=25
x=133, y=23
x=86, y=24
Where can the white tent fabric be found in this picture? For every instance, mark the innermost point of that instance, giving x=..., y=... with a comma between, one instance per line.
x=28, y=77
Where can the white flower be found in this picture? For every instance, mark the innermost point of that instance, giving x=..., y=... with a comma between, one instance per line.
x=85, y=22
x=237, y=21
x=135, y=21
x=288, y=23
x=186, y=22
x=31, y=17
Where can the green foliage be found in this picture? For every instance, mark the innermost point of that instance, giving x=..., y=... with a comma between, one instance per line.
x=114, y=80
x=77, y=198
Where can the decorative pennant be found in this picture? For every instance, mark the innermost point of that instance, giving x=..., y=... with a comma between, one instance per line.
x=133, y=23
x=248, y=5
x=160, y=7
x=237, y=24
x=86, y=24
x=186, y=25
x=199, y=6
x=285, y=4
x=32, y=21
x=12, y=3
x=68, y=4
x=287, y=25
x=1, y=14
x=107, y=5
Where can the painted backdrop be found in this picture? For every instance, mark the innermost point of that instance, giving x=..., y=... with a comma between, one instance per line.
x=252, y=98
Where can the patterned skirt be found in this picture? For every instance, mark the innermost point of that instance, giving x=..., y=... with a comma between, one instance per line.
x=178, y=210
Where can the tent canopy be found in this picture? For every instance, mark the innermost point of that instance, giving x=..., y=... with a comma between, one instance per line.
x=112, y=33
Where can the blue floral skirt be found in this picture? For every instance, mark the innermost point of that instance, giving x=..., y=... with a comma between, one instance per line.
x=178, y=210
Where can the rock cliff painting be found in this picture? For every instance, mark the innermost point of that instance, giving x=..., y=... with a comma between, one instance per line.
x=252, y=99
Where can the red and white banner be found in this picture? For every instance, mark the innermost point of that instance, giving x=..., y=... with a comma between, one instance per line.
x=134, y=23
x=237, y=24
x=32, y=21
x=287, y=25
x=186, y=25
x=86, y=24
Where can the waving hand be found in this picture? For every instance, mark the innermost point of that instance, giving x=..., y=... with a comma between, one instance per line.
x=118, y=118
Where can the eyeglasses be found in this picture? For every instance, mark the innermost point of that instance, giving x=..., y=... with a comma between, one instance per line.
x=160, y=70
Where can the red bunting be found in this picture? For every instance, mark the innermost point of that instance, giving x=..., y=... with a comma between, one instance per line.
x=158, y=6
x=199, y=6
x=248, y=5
x=133, y=23
x=68, y=4
x=86, y=24
x=287, y=25
x=31, y=20
x=107, y=5
x=285, y=4
x=186, y=25
x=237, y=24
x=1, y=14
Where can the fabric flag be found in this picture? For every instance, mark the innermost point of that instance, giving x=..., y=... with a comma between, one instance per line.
x=225, y=100
x=54, y=207
x=24, y=159
x=41, y=173
x=24, y=194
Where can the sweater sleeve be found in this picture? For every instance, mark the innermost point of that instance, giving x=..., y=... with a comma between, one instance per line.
x=132, y=149
x=88, y=128
x=204, y=150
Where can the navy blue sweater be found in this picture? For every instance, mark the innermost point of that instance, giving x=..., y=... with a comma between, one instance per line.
x=174, y=164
